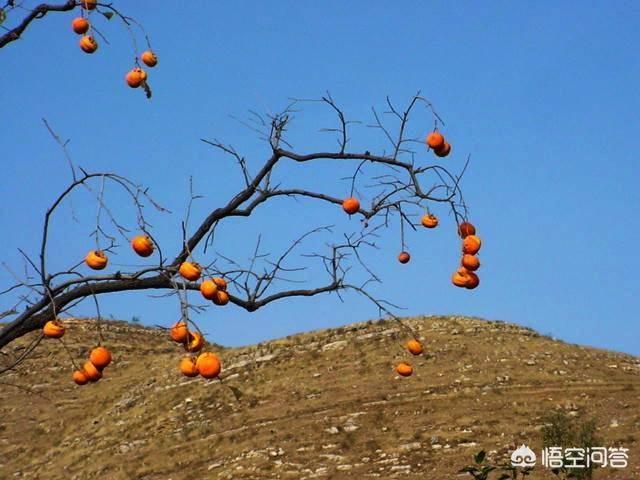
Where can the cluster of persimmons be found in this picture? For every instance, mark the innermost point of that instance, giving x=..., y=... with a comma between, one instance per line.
x=207, y=364
x=136, y=77
x=465, y=276
x=92, y=369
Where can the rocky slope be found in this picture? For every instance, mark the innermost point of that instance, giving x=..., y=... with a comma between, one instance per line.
x=324, y=404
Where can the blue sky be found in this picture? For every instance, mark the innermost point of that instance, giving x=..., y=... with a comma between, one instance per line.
x=543, y=95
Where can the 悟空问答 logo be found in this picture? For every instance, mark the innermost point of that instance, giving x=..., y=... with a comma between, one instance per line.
x=523, y=456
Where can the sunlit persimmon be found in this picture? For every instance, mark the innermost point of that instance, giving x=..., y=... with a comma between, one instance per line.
x=179, y=332
x=149, y=58
x=92, y=372
x=208, y=289
x=435, y=140
x=80, y=377
x=414, y=346
x=404, y=369
x=471, y=244
x=142, y=245
x=429, y=221
x=135, y=77
x=470, y=262
x=80, y=25
x=190, y=271
x=100, y=357
x=53, y=329
x=351, y=205
x=195, y=342
x=88, y=44
x=188, y=367
x=208, y=365
x=461, y=277
x=96, y=259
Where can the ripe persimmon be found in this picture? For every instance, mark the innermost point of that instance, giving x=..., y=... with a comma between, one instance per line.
x=142, y=245
x=100, y=357
x=208, y=365
x=80, y=377
x=473, y=281
x=135, y=77
x=404, y=369
x=435, y=140
x=190, y=271
x=351, y=205
x=53, y=329
x=221, y=283
x=404, y=257
x=80, y=25
x=89, y=4
x=92, y=372
x=208, y=289
x=188, y=367
x=414, y=346
x=88, y=44
x=465, y=229
x=194, y=343
x=471, y=244
x=149, y=58
x=470, y=262
x=429, y=221
x=179, y=332
x=221, y=298
x=461, y=277
x=96, y=259
x=444, y=150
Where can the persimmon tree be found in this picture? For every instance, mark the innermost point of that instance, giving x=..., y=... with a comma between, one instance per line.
x=400, y=183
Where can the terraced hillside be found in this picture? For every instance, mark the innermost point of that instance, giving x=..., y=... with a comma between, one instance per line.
x=324, y=404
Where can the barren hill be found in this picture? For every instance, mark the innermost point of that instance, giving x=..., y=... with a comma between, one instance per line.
x=324, y=404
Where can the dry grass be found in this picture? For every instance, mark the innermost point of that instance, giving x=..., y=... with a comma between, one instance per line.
x=324, y=404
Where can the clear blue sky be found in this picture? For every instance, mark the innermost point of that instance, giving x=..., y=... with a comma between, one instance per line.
x=543, y=95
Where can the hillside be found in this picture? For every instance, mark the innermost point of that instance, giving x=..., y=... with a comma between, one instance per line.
x=323, y=404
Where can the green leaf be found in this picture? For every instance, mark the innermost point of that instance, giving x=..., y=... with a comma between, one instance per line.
x=479, y=458
x=3, y=16
x=107, y=15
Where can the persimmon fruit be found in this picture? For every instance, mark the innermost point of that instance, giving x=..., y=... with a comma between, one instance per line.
x=88, y=44
x=429, y=221
x=404, y=369
x=414, y=346
x=100, y=357
x=208, y=365
x=149, y=58
x=351, y=205
x=53, y=329
x=404, y=257
x=80, y=25
x=96, y=259
x=188, y=367
x=142, y=245
x=179, y=332
x=190, y=270
x=435, y=140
